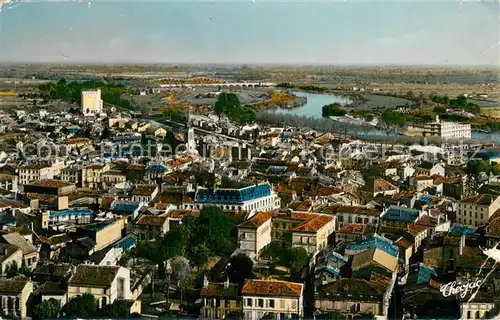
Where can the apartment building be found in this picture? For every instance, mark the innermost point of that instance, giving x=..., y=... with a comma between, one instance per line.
x=312, y=235
x=346, y=215
x=112, y=177
x=8, y=182
x=102, y=233
x=278, y=299
x=14, y=295
x=72, y=174
x=145, y=193
x=254, y=234
x=91, y=102
x=219, y=299
x=152, y=227
x=29, y=251
x=476, y=211
x=427, y=168
x=441, y=129
x=92, y=175
x=421, y=183
x=32, y=172
x=106, y=283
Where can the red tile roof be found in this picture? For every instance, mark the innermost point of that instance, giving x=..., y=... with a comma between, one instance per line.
x=178, y=214
x=257, y=220
x=404, y=243
x=271, y=288
x=144, y=190
x=149, y=220
x=380, y=185
x=315, y=223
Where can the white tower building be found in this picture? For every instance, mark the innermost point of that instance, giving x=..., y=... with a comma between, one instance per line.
x=91, y=102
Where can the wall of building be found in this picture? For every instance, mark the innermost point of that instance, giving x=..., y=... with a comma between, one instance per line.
x=108, y=235
x=287, y=306
x=349, y=305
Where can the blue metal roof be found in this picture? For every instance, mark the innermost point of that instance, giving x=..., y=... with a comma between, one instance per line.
x=374, y=241
x=425, y=198
x=71, y=213
x=100, y=226
x=126, y=243
x=277, y=169
x=396, y=213
x=125, y=206
x=462, y=230
x=424, y=274
x=233, y=195
x=336, y=257
x=332, y=270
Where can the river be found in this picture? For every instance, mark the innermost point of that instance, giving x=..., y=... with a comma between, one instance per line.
x=316, y=101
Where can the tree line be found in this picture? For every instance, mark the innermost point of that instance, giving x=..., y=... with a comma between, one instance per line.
x=62, y=90
x=82, y=306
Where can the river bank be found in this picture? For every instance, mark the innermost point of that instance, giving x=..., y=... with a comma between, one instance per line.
x=310, y=115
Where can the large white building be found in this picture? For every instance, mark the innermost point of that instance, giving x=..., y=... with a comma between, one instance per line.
x=91, y=102
x=254, y=198
x=477, y=210
x=441, y=129
x=255, y=234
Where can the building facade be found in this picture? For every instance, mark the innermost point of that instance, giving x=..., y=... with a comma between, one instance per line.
x=33, y=172
x=254, y=234
x=253, y=198
x=91, y=102
x=106, y=283
x=14, y=295
x=278, y=299
x=476, y=211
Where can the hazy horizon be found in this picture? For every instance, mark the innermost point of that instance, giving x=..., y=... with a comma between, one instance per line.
x=363, y=34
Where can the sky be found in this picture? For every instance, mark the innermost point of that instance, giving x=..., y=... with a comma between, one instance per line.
x=349, y=32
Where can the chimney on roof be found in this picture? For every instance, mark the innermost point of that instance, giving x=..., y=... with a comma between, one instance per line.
x=462, y=244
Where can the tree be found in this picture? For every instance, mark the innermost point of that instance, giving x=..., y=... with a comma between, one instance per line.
x=229, y=104
x=80, y=306
x=181, y=272
x=199, y=256
x=12, y=270
x=24, y=270
x=47, y=309
x=239, y=268
x=214, y=230
x=118, y=309
x=475, y=169
x=333, y=109
x=295, y=259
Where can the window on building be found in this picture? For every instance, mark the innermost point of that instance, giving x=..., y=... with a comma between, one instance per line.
x=468, y=314
x=260, y=303
x=271, y=303
x=249, y=302
x=282, y=304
